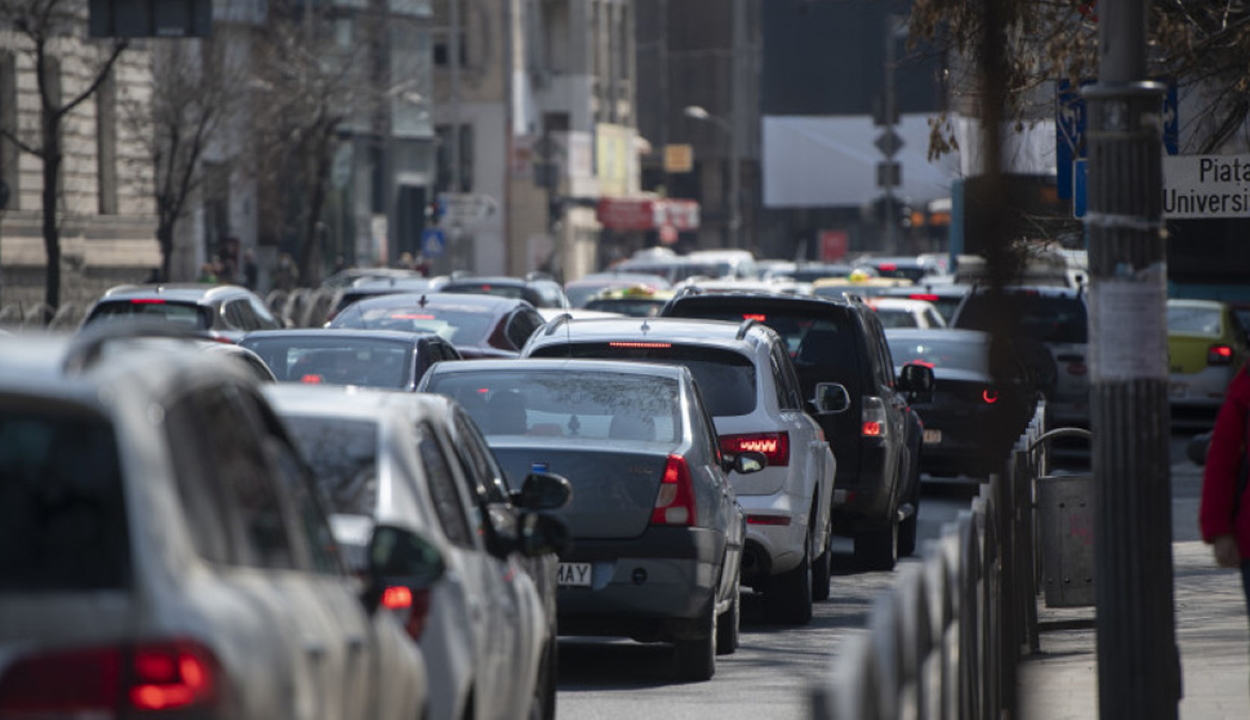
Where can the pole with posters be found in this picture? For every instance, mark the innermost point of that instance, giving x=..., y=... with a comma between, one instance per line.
x=1138, y=660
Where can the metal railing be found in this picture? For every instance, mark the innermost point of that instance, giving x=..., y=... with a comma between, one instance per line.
x=946, y=640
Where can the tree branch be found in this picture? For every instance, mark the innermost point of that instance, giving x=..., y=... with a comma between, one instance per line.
x=21, y=144
x=99, y=78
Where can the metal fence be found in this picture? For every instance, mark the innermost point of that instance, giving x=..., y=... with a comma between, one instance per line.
x=946, y=641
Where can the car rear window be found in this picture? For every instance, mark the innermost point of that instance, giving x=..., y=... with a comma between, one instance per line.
x=153, y=308
x=343, y=456
x=567, y=403
x=726, y=378
x=516, y=292
x=63, y=522
x=457, y=326
x=1045, y=318
x=938, y=353
x=1197, y=320
x=336, y=361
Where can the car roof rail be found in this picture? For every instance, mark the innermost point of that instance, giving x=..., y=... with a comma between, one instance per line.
x=685, y=290
x=746, y=326
x=853, y=297
x=88, y=346
x=554, y=323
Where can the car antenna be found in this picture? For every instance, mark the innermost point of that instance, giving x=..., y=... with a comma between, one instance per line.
x=422, y=302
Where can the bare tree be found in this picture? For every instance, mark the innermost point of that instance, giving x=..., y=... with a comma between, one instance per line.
x=46, y=30
x=308, y=86
x=193, y=96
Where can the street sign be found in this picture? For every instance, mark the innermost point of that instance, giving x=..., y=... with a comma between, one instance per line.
x=889, y=142
x=1206, y=186
x=465, y=208
x=1079, y=185
x=678, y=158
x=433, y=243
x=889, y=174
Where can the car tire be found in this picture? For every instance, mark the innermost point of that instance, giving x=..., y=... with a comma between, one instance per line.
x=822, y=570
x=544, y=704
x=878, y=549
x=728, y=625
x=696, y=658
x=789, y=595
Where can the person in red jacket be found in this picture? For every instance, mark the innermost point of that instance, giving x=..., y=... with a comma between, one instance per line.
x=1223, y=526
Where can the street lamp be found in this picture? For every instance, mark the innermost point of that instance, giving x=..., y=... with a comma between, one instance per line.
x=697, y=112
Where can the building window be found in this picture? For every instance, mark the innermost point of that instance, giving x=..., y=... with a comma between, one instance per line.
x=445, y=181
x=9, y=153
x=442, y=48
x=106, y=144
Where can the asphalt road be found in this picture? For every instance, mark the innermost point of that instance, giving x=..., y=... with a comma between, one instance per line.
x=771, y=674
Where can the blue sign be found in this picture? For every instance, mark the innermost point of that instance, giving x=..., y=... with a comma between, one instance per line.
x=433, y=243
x=1171, y=121
x=1079, y=185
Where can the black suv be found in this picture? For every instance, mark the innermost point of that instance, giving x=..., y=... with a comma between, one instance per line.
x=877, y=442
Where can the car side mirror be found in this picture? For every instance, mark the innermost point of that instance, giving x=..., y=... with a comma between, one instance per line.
x=398, y=558
x=745, y=462
x=543, y=491
x=831, y=398
x=541, y=534
x=916, y=379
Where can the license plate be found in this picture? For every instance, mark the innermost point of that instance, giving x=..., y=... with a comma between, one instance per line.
x=932, y=437
x=574, y=574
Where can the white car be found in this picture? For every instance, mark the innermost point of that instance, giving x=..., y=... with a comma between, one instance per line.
x=389, y=457
x=748, y=380
x=906, y=313
x=163, y=549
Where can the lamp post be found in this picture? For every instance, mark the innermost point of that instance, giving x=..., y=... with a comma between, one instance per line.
x=735, y=219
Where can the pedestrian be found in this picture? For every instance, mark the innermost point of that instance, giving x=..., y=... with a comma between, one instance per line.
x=208, y=273
x=251, y=271
x=1223, y=516
x=286, y=275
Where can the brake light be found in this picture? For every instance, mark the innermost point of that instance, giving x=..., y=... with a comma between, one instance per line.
x=97, y=681
x=775, y=446
x=641, y=345
x=873, y=418
x=923, y=296
x=416, y=602
x=755, y=316
x=412, y=316
x=1219, y=355
x=887, y=267
x=674, y=504
x=147, y=301
x=311, y=379
x=989, y=395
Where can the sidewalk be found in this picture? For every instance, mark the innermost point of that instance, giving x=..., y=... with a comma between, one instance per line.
x=1061, y=682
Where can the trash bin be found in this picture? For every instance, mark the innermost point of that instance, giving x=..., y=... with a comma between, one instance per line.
x=1065, y=505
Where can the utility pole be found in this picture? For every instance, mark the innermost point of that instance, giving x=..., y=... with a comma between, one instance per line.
x=737, y=117
x=1138, y=661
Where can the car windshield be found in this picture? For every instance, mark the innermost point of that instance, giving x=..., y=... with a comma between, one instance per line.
x=937, y=353
x=457, y=326
x=727, y=378
x=343, y=456
x=153, y=308
x=561, y=403
x=62, y=511
x=1045, y=318
x=1196, y=320
x=336, y=360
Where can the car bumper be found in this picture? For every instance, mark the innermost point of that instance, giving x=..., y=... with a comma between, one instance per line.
x=639, y=587
x=868, y=495
x=776, y=533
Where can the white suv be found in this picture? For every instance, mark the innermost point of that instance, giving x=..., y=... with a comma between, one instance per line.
x=748, y=382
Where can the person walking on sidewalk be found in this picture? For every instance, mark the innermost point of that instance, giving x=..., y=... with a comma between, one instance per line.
x=1222, y=516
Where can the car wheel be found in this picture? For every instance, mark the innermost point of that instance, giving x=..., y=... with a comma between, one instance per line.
x=729, y=623
x=789, y=594
x=878, y=549
x=543, y=706
x=822, y=570
x=696, y=658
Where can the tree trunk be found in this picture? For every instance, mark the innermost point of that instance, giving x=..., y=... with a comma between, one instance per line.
x=165, y=238
x=311, y=255
x=51, y=229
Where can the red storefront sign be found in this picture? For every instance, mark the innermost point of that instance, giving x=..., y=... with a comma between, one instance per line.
x=632, y=214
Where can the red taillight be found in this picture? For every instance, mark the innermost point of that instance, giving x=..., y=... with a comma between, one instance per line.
x=150, y=677
x=311, y=379
x=755, y=316
x=775, y=446
x=1077, y=369
x=923, y=296
x=873, y=428
x=887, y=267
x=989, y=395
x=674, y=504
x=768, y=520
x=641, y=345
x=416, y=602
x=169, y=676
x=147, y=301
x=1219, y=355
x=873, y=418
